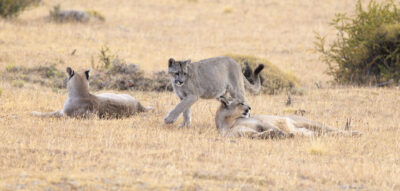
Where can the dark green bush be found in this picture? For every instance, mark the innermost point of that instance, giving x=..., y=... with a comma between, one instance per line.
x=367, y=48
x=11, y=8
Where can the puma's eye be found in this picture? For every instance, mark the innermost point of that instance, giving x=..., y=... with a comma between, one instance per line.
x=177, y=73
x=241, y=103
x=184, y=74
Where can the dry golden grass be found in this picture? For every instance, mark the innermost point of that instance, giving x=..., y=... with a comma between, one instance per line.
x=142, y=153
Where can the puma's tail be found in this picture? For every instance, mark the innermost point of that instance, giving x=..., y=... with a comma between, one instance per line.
x=254, y=88
x=55, y=114
x=142, y=108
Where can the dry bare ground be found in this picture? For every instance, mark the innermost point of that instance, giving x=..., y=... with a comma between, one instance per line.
x=142, y=153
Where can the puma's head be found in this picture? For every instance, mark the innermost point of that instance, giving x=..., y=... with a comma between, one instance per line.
x=178, y=71
x=233, y=109
x=78, y=82
x=252, y=76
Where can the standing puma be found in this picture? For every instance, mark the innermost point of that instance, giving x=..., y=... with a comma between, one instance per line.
x=80, y=103
x=233, y=119
x=207, y=79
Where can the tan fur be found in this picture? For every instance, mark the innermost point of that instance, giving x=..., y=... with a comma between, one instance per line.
x=232, y=120
x=207, y=79
x=80, y=103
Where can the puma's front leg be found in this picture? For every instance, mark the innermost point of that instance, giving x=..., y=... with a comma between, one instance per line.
x=272, y=133
x=242, y=131
x=184, y=105
x=186, y=118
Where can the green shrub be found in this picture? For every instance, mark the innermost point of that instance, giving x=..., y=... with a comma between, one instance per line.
x=11, y=8
x=274, y=80
x=367, y=48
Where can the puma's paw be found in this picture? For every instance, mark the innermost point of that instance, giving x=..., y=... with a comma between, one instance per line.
x=276, y=134
x=169, y=119
x=183, y=125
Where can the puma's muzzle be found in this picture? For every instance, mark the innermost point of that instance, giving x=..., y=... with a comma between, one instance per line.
x=246, y=113
x=179, y=83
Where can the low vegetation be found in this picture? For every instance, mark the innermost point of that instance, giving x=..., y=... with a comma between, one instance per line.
x=115, y=73
x=367, y=48
x=58, y=15
x=119, y=76
x=122, y=76
x=47, y=75
x=110, y=72
x=273, y=80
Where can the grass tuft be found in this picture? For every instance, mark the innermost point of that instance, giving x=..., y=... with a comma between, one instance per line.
x=227, y=10
x=11, y=68
x=105, y=58
x=18, y=83
x=318, y=149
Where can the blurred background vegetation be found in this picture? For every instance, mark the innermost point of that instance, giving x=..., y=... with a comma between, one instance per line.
x=11, y=8
x=367, y=48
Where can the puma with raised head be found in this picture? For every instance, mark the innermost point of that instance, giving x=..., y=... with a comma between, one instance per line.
x=80, y=103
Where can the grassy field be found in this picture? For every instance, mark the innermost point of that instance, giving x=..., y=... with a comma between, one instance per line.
x=141, y=153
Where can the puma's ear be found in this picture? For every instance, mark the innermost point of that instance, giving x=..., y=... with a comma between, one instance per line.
x=224, y=101
x=170, y=62
x=185, y=64
x=259, y=68
x=70, y=72
x=87, y=74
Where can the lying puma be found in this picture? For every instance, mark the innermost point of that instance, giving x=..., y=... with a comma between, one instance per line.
x=207, y=79
x=233, y=119
x=80, y=103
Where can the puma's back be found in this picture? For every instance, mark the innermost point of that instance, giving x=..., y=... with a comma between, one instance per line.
x=213, y=76
x=208, y=78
